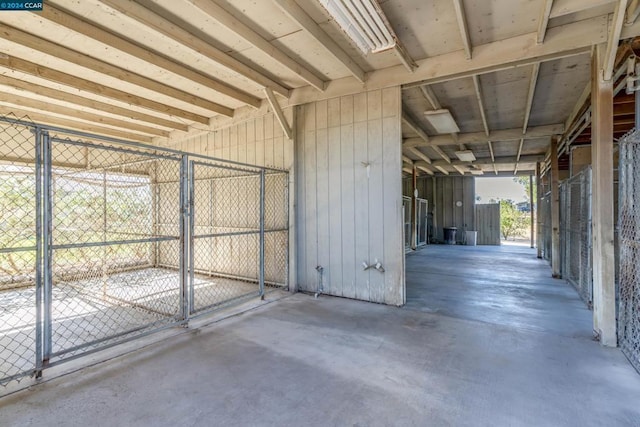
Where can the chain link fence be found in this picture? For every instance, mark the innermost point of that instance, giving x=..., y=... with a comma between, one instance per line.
x=545, y=226
x=575, y=233
x=629, y=247
x=105, y=241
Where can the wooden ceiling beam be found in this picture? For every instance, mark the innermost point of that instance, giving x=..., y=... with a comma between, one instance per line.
x=430, y=96
x=98, y=89
x=613, y=40
x=419, y=154
x=49, y=48
x=94, y=31
x=173, y=31
x=560, y=42
x=481, y=137
x=486, y=161
x=462, y=25
x=530, y=96
x=46, y=107
x=543, y=22
x=277, y=110
x=73, y=124
x=232, y=23
x=60, y=95
x=296, y=13
x=442, y=169
x=426, y=170
x=483, y=115
x=569, y=7
x=409, y=121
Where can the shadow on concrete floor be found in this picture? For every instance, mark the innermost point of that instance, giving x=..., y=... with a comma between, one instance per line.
x=441, y=361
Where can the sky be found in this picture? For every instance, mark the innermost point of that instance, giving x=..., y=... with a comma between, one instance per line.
x=499, y=188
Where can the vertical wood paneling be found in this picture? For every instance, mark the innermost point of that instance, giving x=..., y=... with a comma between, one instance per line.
x=322, y=207
x=334, y=207
x=392, y=201
x=361, y=209
x=352, y=163
x=301, y=205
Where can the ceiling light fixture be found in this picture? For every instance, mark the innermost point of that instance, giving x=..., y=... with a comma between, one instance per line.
x=466, y=156
x=442, y=121
x=364, y=22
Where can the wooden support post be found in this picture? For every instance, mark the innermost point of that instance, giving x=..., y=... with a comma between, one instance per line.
x=538, y=202
x=414, y=210
x=604, y=295
x=531, y=210
x=555, y=211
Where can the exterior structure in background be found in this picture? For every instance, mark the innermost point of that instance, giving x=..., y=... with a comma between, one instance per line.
x=629, y=242
x=104, y=241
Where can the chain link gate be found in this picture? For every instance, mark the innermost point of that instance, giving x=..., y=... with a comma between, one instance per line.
x=575, y=232
x=629, y=247
x=20, y=252
x=105, y=241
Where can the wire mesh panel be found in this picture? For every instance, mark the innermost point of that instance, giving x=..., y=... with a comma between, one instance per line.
x=106, y=283
x=545, y=225
x=406, y=208
x=276, y=229
x=19, y=185
x=103, y=241
x=629, y=243
x=226, y=236
x=422, y=207
x=575, y=229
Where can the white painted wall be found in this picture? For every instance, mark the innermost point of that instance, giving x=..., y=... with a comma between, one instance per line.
x=257, y=140
x=349, y=195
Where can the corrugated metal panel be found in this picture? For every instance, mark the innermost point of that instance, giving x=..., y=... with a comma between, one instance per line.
x=348, y=164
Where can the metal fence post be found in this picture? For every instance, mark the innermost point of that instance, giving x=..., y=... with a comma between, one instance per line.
x=184, y=227
x=47, y=252
x=262, y=214
x=191, y=241
x=38, y=172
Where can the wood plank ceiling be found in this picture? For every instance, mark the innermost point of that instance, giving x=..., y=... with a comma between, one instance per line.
x=510, y=71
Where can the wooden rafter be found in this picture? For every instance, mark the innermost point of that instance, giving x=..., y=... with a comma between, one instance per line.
x=49, y=48
x=614, y=38
x=94, y=31
x=74, y=124
x=60, y=95
x=462, y=24
x=295, y=12
x=232, y=23
x=569, y=7
x=98, y=89
x=162, y=25
x=46, y=107
x=543, y=22
x=419, y=154
x=480, y=137
x=282, y=120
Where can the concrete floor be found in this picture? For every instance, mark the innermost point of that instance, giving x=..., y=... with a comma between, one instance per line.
x=486, y=339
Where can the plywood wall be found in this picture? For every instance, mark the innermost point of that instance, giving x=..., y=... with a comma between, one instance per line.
x=443, y=193
x=256, y=141
x=349, y=196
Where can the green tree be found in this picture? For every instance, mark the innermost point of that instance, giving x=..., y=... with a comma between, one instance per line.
x=512, y=221
x=524, y=181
